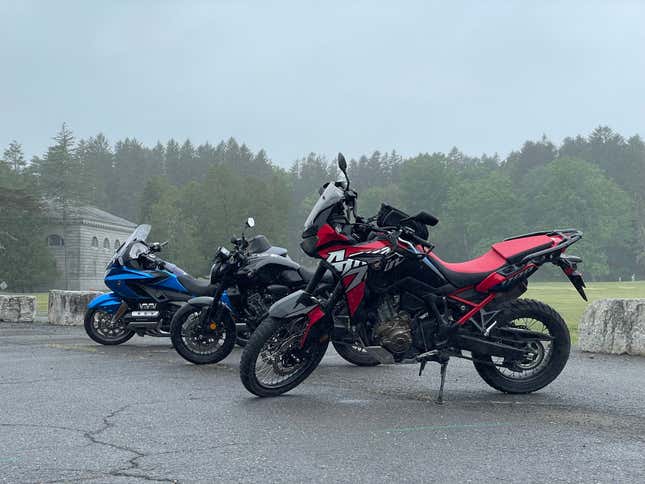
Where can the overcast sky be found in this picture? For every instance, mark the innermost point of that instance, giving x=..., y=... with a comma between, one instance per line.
x=295, y=77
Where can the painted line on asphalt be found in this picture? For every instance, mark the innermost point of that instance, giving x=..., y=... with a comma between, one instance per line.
x=431, y=428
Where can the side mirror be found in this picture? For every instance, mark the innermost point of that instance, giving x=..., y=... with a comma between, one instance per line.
x=342, y=163
x=250, y=222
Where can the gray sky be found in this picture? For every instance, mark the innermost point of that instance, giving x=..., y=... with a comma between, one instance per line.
x=295, y=77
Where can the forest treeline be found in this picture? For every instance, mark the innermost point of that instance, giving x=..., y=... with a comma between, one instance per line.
x=198, y=196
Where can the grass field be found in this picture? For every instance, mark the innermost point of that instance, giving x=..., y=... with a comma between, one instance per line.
x=565, y=299
x=561, y=295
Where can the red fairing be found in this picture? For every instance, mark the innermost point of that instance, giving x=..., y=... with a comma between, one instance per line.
x=354, y=295
x=351, y=249
x=314, y=316
x=327, y=234
x=491, y=281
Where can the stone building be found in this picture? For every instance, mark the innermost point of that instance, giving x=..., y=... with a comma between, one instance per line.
x=82, y=239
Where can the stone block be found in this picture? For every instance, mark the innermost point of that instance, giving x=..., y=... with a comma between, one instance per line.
x=614, y=326
x=17, y=309
x=68, y=308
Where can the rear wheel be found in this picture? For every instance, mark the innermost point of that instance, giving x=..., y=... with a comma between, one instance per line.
x=198, y=344
x=273, y=362
x=545, y=358
x=100, y=327
x=355, y=354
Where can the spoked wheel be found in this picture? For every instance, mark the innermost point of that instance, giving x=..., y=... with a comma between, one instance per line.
x=201, y=344
x=355, y=354
x=100, y=327
x=545, y=358
x=273, y=362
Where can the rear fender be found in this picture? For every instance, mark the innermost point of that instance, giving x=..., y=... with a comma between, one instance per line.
x=569, y=265
x=109, y=302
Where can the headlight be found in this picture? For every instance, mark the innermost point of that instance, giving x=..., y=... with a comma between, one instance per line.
x=224, y=252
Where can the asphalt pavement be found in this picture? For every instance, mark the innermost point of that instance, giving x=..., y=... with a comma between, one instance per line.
x=71, y=410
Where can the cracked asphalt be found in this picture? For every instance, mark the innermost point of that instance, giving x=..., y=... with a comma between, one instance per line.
x=71, y=410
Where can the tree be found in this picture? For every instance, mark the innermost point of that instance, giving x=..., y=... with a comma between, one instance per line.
x=173, y=165
x=187, y=163
x=532, y=155
x=97, y=162
x=480, y=211
x=573, y=193
x=24, y=263
x=14, y=156
x=425, y=183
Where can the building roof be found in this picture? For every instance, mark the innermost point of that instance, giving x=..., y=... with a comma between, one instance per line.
x=87, y=213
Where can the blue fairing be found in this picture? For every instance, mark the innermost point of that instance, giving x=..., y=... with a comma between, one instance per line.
x=171, y=283
x=109, y=302
x=227, y=301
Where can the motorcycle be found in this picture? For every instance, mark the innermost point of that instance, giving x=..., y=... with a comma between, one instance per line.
x=147, y=291
x=399, y=302
x=248, y=280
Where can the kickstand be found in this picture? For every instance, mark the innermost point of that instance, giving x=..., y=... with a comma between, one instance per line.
x=444, y=366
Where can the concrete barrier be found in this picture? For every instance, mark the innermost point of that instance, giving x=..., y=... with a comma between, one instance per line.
x=17, y=309
x=67, y=308
x=614, y=326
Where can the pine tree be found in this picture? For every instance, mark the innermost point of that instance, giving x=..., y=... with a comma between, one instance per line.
x=14, y=156
x=173, y=166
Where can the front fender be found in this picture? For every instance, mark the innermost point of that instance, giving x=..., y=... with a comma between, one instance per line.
x=109, y=302
x=295, y=304
x=201, y=301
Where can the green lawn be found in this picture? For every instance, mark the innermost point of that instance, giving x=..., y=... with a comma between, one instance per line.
x=565, y=299
x=561, y=295
x=42, y=300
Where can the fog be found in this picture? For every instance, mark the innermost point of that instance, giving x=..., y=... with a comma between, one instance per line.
x=295, y=77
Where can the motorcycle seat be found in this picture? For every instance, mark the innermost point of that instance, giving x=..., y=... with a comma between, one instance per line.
x=197, y=287
x=472, y=272
x=307, y=275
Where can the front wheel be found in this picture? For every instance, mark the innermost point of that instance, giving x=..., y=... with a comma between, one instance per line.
x=100, y=327
x=273, y=361
x=201, y=344
x=545, y=358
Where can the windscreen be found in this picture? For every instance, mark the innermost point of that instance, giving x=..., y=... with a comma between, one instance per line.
x=140, y=234
x=330, y=196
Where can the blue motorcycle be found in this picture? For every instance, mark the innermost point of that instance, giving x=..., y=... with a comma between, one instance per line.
x=147, y=291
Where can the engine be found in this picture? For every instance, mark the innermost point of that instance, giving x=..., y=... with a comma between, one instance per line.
x=393, y=328
x=257, y=306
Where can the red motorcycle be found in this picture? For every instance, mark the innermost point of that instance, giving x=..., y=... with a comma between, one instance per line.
x=397, y=301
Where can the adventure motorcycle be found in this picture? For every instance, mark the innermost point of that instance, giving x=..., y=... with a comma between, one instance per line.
x=248, y=280
x=147, y=291
x=400, y=303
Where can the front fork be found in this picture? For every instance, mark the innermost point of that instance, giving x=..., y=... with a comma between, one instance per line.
x=214, y=311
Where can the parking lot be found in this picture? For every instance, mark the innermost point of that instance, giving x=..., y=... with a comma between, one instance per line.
x=71, y=410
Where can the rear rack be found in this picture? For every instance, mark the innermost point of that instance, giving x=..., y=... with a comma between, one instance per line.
x=561, y=232
x=569, y=236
